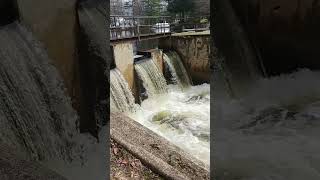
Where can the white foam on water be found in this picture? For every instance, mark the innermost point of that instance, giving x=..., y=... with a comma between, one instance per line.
x=273, y=133
x=185, y=117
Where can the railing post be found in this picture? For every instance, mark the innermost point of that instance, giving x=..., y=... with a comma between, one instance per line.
x=138, y=29
x=138, y=26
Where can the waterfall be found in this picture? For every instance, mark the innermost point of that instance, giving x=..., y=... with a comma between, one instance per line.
x=177, y=69
x=153, y=80
x=121, y=96
x=36, y=118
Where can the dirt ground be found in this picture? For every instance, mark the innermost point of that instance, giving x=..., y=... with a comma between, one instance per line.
x=124, y=166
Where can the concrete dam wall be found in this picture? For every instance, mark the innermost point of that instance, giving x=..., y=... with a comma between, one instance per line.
x=152, y=97
x=194, y=49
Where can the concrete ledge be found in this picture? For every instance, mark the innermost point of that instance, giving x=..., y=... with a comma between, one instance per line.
x=156, y=152
x=192, y=33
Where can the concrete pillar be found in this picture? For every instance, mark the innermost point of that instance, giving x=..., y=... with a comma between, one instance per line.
x=156, y=55
x=123, y=57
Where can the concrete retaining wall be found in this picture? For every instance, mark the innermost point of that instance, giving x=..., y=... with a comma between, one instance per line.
x=123, y=58
x=194, y=49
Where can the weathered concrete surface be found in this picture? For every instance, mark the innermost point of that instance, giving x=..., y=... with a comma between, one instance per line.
x=124, y=61
x=157, y=57
x=14, y=167
x=54, y=24
x=154, y=151
x=194, y=50
x=123, y=57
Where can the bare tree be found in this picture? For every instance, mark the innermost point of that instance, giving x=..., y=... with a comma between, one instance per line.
x=116, y=7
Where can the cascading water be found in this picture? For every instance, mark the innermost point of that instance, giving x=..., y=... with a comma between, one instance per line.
x=178, y=71
x=182, y=116
x=153, y=80
x=36, y=117
x=121, y=97
x=272, y=133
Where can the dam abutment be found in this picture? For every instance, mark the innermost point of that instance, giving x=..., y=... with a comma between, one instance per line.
x=194, y=50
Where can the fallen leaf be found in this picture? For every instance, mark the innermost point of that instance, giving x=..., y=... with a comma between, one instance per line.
x=124, y=162
x=115, y=151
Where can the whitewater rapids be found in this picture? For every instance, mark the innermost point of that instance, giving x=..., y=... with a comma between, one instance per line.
x=271, y=134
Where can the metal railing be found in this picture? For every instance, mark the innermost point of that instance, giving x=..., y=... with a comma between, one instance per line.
x=125, y=27
x=190, y=24
x=122, y=27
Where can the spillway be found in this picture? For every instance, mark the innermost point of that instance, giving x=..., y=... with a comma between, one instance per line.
x=178, y=112
x=177, y=69
x=151, y=76
x=120, y=94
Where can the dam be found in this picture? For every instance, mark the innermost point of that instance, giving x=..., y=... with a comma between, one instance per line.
x=153, y=87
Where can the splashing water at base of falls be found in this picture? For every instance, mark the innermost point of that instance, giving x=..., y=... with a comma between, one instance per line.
x=121, y=97
x=178, y=71
x=153, y=80
x=175, y=112
x=182, y=117
x=91, y=162
x=273, y=133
